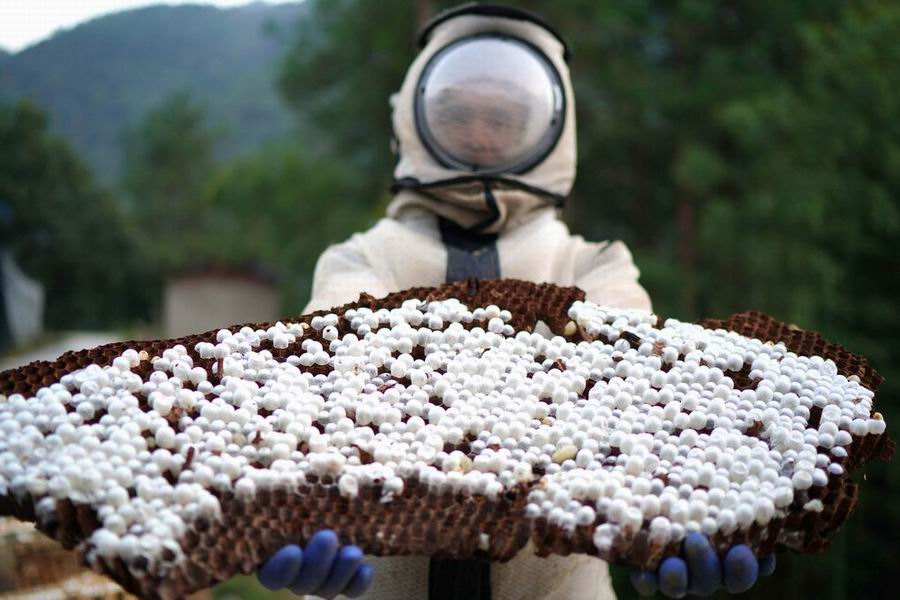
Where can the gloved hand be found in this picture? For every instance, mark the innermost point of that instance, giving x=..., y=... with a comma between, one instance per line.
x=323, y=568
x=700, y=571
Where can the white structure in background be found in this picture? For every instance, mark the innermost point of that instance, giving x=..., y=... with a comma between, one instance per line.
x=24, y=301
x=198, y=302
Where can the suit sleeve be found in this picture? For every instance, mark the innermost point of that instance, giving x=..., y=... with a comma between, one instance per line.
x=608, y=275
x=342, y=273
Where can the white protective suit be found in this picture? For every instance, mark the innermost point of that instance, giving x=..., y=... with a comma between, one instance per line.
x=405, y=250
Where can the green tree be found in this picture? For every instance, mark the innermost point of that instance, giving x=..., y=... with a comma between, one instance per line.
x=338, y=74
x=67, y=232
x=280, y=207
x=168, y=161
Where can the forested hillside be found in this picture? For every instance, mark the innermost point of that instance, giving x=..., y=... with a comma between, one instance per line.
x=99, y=78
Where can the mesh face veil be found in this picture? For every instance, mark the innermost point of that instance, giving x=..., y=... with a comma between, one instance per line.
x=489, y=104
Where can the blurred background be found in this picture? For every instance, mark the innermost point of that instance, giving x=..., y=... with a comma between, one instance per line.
x=168, y=169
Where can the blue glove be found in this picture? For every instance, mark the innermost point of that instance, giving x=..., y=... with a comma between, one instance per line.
x=700, y=571
x=323, y=568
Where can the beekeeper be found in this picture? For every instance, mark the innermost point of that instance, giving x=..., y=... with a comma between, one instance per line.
x=485, y=131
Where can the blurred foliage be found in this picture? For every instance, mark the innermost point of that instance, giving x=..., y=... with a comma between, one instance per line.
x=747, y=152
x=67, y=232
x=280, y=207
x=247, y=587
x=100, y=77
x=271, y=209
x=168, y=161
x=338, y=74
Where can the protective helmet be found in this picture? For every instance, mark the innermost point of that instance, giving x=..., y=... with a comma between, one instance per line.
x=485, y=118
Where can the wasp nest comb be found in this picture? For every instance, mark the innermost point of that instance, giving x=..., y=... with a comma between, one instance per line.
x=438, y=422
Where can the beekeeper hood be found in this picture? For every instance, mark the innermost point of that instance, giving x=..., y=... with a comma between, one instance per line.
x=485, y=120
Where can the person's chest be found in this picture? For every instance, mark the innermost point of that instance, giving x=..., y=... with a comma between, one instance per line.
x=431, y=254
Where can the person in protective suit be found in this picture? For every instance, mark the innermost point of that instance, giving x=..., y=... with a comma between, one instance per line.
x=485, y=131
